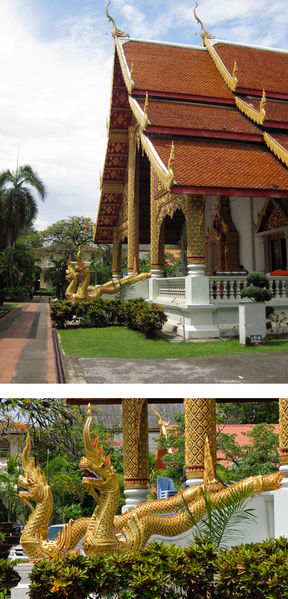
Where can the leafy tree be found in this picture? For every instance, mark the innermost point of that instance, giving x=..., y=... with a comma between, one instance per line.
x=65, y=236
x=8, y=488
x=57, y=276
x=260, y=456
x=19, y=207
x=250, y=412
x=17, y=266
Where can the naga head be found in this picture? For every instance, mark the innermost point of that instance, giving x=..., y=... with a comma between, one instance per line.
x=81, y=268
x=98, y=471
x=70, y=272
x=33, y=482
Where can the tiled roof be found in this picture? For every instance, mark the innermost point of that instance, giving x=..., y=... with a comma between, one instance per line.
x=174, y=69
x=241, y=436
x=282, y=139
x=257, y=68
x=223, y=164
x=195, y=116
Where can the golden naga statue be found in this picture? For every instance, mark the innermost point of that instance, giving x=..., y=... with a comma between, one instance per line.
x=106, y=533
x=79, y=288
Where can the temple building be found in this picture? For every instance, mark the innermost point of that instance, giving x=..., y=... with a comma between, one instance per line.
x=197, y=158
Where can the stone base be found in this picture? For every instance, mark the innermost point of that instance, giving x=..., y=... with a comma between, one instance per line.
x=134, y=497
x=22, y=589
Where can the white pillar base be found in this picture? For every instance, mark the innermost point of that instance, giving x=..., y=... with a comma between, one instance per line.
x=22, y=589
x=116, y=277
x=134, y=497
x=196, y=269
x=191, y=482
x=157, y=273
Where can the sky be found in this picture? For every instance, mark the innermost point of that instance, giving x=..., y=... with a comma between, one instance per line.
x=56, y=61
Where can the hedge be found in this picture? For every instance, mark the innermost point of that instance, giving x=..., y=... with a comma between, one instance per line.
x=135, y=314
x=255, y=570
x=8, y=578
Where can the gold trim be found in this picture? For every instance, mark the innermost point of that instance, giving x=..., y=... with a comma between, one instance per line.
x=115, y=135
x=230, y=80
x=276, y=148
x=111, y=187
x=127, y=76
x=171, y=163
x=167, y=178
x=140, y=116
x=258, y=116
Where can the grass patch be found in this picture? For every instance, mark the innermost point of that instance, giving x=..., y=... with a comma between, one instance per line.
x=119, y=342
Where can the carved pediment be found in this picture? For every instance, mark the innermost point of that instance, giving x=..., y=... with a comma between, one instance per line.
x=273, y=216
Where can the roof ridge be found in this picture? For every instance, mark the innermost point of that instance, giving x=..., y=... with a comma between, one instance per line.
x=123, y=41
x=246, y=45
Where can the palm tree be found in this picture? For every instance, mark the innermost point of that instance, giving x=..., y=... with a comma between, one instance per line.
x=19, y=207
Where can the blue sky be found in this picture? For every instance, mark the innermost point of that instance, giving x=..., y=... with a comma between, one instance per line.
x=56, y=63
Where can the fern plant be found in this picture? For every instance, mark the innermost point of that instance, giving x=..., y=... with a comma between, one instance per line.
x=222, y=521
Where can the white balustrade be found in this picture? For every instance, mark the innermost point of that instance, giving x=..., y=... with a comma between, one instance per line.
x=227, y=288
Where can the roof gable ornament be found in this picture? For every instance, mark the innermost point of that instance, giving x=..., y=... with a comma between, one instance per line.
x=171, y=163
x=258, y=116
x=230, y=80
x=115, y=31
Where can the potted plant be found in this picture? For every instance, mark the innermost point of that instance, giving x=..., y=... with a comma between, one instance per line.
x=252, y=316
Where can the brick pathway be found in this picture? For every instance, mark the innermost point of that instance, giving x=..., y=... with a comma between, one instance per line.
x=26, y=347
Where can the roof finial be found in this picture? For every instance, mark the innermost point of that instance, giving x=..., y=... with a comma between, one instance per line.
x=171, y=166
x=115, y=31
x=146, y=106
x=204, y=33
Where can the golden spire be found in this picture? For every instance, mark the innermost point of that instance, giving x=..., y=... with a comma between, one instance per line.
x=204, y=33
x=262, y=106
x=115, y=31
x=146, y=106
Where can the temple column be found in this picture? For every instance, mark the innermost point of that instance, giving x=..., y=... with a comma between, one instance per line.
x=116, y=257
x=283, y=438
x=200, y=422
x=136, y=454
x=197, y=283
x=157, y=234
x=133, y=205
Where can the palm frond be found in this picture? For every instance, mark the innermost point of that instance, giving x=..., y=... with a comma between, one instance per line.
x=224, y=517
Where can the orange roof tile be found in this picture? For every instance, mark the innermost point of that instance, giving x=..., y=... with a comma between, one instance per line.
x=176, y=69
x=196, y=116
x=241, y=436
x=257, y=68
x=223, y=164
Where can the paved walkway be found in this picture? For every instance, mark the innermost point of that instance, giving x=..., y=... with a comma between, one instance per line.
x=257, y=368
x=26, y=346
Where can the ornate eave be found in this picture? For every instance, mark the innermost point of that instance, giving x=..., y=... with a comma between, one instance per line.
x=230, y=80
x=165, y=175
x=140, y=115
x=258, y=116
x=276, y=148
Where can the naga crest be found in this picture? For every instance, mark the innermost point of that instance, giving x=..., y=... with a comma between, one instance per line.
x=70, y=272
x=97, y=469
x=33, y=482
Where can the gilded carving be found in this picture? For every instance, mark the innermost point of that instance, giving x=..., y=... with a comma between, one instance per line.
x=283, y=430
x=200, y=422
x=258, y=116
x=135, y=443
x=133, y=204
x=276, y=148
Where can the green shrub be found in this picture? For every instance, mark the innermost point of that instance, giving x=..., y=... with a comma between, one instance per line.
x=255, y=570
x=61, y=313
x=136, y=314
x=8, y=578
x=257, y=287
x=17, y=294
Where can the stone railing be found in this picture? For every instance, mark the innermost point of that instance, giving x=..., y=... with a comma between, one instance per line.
x=172, y=288
x=228, y=288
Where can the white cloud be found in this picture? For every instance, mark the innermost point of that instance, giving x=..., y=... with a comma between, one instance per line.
x=53, y=102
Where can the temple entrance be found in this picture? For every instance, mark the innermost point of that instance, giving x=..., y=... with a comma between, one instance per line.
x=175, y=241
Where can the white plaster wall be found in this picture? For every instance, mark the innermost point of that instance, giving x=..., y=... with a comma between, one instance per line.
x=256, y=530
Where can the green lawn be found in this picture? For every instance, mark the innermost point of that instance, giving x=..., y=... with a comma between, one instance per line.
x=119, y=342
